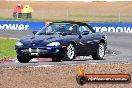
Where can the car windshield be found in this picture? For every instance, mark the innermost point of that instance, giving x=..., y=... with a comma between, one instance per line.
x=58, y=28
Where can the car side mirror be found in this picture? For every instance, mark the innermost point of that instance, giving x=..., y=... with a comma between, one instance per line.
x=34, y=32
x=80, y=36
x=85, y=32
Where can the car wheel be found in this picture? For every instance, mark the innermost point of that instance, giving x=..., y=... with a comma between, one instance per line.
x=70, y=53
x=56, y=59
x=23, y=59
x=81, y=80
x=100, y=53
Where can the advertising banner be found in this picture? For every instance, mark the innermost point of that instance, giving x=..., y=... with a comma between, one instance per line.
x=112, y=27
x=21, y=25
x=98, y=27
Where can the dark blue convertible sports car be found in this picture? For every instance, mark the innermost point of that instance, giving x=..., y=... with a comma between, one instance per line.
x=62, y=41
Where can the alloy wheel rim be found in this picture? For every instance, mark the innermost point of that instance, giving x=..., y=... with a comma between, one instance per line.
x=101, y=50
x=70, y=51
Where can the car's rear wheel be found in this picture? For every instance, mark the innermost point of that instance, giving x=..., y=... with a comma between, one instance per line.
x=70, y=53
x=23, y=59
x=100, y=53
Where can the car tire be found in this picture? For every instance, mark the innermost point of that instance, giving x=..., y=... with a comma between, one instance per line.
x=70, y=53
x=56, y=59
x=100, y=53
x=23, y=59
x=81, y=80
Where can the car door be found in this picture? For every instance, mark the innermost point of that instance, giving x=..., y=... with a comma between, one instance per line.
x=86, y=43
x=91, y=42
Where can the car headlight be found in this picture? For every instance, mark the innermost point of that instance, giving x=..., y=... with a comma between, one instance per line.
x=53, y=44
x=19, y=43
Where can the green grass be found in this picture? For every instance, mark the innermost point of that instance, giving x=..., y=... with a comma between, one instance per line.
x=29, y=19
x=80, y=18
x=7, y=48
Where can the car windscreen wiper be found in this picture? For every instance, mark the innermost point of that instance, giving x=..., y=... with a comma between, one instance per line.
x=40, y=34
x=45, y=33
x=64, y=33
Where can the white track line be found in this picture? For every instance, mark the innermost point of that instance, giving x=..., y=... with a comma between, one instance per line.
x=44, y=66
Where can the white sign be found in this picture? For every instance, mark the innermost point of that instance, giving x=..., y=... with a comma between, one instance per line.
x=112, y=29
x=14, y=26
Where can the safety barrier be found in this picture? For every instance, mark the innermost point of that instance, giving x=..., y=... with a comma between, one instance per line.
x=21, y=25
x=99, y=27
x=112, y=27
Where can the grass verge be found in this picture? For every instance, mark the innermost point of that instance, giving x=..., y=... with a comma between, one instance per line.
x=7, y=48
x=29, y=19
x=78, y=18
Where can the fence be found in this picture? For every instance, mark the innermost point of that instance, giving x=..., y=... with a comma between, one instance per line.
x=79, y=15
x=76, y=11
x=84, y=16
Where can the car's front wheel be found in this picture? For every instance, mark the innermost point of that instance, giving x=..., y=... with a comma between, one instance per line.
x=70, y=53
x=100, y=53
x=56, y=59
x=23, y=59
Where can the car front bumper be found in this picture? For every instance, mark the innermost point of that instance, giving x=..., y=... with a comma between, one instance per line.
x=40, y=52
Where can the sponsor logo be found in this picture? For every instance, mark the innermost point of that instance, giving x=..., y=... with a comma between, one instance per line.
x=14, y=26
x=83, y=78
x=112, y=29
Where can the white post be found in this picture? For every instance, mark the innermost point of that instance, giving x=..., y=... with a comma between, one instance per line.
x=17, y=13
x=119, y=17
x=67, y=14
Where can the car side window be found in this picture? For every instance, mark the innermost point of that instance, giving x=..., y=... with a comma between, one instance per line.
x=84, y=28
x=73, y=29
x=49, y=29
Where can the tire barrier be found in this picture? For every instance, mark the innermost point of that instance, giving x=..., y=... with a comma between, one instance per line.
x=21, y=11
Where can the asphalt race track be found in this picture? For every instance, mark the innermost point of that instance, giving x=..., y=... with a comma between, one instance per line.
x=119, y=51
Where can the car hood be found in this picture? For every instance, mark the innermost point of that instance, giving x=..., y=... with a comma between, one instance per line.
x=40, y=40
